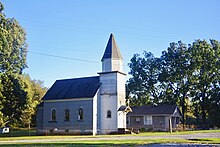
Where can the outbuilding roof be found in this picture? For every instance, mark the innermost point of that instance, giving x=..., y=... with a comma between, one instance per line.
x=152, y=110
x=73, y=88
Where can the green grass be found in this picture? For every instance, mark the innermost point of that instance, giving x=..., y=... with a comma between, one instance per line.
x=28, y=133
x=105, y=143
x=66, y=139
x=177, y=133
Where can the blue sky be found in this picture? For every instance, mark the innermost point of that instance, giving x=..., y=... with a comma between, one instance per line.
x=80, y=29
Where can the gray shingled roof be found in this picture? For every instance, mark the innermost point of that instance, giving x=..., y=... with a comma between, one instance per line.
x=112, y=50
x=150, y=110
x=73, y=88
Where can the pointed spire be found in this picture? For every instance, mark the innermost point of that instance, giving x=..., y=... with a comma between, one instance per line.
x=112, y=50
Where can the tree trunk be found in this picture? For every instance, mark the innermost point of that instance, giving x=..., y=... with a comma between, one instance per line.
x=183, y=110
x=203, y=111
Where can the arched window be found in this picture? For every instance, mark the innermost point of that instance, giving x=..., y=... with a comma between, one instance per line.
x=53, y=114
x=109, y=114
x=67, y=115
x=80, y=114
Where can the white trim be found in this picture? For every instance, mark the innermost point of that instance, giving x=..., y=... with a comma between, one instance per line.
x=107, y=72
x=95, y=113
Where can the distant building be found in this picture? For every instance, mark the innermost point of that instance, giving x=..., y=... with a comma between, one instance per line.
x=154, y=118
x=88, y=105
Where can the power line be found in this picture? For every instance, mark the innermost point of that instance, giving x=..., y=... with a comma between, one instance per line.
x=66, y=58
x=63, y=57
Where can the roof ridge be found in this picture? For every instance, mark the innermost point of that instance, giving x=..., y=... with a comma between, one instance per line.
x=78, y=78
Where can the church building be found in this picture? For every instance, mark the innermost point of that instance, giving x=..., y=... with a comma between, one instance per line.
x=87, y=105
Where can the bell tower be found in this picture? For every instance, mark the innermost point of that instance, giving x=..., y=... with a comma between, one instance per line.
x=112, y=89
x=112, y=59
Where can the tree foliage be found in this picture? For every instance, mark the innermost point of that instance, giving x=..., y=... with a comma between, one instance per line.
x=205, y=62
x=13, y=47
x=142, y=87
x=14, y=98
x=184, y=75
x=176, y=73
x=19, y=95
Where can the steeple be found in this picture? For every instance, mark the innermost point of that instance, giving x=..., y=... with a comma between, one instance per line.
x=112, y=59
x=111, y=98
x=112, y=50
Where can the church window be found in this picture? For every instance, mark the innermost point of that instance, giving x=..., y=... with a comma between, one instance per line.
x=80, y=114
x=109, y=114
x=53, y=114
x=67, y=115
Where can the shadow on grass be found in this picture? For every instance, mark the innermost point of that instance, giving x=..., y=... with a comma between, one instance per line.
x=19, y=133
x=200, y=139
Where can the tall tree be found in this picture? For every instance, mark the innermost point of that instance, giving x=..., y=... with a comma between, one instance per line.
x=134, y=87
x=1, y=106
x=176, y=73
x=214, y=112
x=13, y=51
x=21, y=95
x=205, y=62
x=186, y=75
x=14, y=98
x=143, y=84
x=13, y=47
x=38, y=91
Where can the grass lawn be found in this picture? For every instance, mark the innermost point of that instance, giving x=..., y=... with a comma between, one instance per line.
x=177, y=133
x=26, y=134
x=110, y=143
x=16, y=135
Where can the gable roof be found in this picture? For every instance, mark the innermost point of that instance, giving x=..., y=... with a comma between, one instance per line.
x=124, y=108
x=73, y=88
x=152, y=110
x=112, y=50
